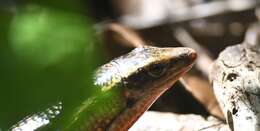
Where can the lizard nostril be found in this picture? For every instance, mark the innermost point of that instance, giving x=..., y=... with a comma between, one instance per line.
x=230, y=120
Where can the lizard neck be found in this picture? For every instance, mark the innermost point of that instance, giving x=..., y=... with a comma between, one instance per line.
x=97, y=112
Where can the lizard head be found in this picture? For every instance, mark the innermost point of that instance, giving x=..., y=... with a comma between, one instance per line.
x=152, y=67
x=146, y=73
x=145, y=65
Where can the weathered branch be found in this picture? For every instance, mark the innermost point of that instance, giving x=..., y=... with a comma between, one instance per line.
x=158, y=121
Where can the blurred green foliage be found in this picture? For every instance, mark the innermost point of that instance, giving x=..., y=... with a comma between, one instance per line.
x=77, y=6
x=47, y=54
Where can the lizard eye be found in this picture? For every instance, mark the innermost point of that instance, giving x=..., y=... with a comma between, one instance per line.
x=157, y=70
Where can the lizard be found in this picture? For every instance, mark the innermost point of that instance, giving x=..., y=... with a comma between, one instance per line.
x=126, y=87
x=235, y=77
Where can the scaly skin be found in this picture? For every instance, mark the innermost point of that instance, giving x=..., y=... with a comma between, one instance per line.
x=127, y=86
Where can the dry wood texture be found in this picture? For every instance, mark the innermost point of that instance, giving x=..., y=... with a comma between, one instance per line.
x=236, y=80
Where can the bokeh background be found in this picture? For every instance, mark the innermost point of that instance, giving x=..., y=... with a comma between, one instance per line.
x=73, y=34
